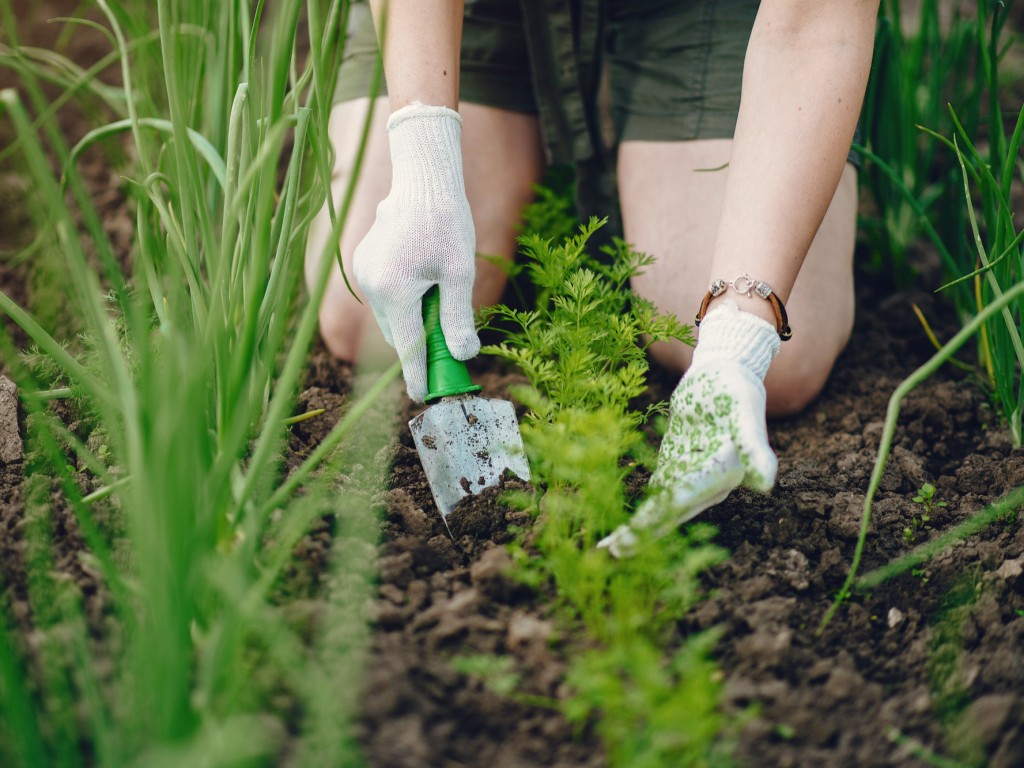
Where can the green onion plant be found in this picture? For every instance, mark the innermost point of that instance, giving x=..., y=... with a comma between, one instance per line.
x=990, y=165
x=194, y=347
x=921, y=64
x=988, y=161
x=1005, y=507
x=952, y=186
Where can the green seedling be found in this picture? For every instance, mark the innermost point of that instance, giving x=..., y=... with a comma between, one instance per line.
x=785, y=731
x=921, y=752
x=498, y=675
x=584, y=344
x=925, y=497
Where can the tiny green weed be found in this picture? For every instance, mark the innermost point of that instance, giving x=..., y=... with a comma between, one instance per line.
x=922, y=521
x=497, y=674
x=926, y=498
x=921, y=752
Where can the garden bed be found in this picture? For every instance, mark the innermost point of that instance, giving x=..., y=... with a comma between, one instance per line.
x=916, y=654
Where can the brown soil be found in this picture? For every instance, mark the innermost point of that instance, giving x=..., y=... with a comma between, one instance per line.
x=935, y=654
x=823, y=701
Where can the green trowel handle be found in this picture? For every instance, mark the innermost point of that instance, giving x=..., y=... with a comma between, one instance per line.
x=445, y=375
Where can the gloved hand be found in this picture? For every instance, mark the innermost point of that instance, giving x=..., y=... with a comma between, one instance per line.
x=423, y=235
x=717, y=438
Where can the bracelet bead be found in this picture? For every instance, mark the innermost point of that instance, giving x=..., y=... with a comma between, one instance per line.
x=747, y=286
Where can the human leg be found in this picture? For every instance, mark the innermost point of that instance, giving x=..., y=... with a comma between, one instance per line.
x=676, y=84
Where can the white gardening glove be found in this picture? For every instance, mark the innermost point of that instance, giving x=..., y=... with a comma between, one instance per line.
x=717, y=438
x=423, y=235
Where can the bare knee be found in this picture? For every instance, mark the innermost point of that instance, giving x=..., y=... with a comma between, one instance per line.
x=339, y=343
x=799, y=373
x=790, y=391
x=794, y=380
x=503, y=157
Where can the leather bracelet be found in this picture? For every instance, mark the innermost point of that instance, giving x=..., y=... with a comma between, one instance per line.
x=747, y=286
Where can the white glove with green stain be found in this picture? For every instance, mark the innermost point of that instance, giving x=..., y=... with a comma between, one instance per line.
x=717, y=438
x=423, y=236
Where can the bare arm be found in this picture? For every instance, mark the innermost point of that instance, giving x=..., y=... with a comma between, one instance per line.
x=423, y=234
x=804, y=78
x=421, y=40
x=806, y=68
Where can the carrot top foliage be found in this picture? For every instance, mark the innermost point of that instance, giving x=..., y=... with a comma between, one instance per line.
x=650, y=693
x=584, y=344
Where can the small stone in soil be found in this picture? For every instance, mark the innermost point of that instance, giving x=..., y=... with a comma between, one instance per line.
x=10, y=438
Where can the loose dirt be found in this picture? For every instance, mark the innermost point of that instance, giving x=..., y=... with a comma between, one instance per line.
x=934, y=655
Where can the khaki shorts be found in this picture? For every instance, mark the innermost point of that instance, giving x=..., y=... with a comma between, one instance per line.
x=596, y=73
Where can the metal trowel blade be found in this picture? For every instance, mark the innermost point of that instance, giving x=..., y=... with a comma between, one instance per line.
x=465, y=444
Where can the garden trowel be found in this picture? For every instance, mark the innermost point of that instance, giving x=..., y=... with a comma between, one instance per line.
x=465, y=442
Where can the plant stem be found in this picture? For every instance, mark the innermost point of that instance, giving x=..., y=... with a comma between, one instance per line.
x=891, y=417
x=996, y=511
